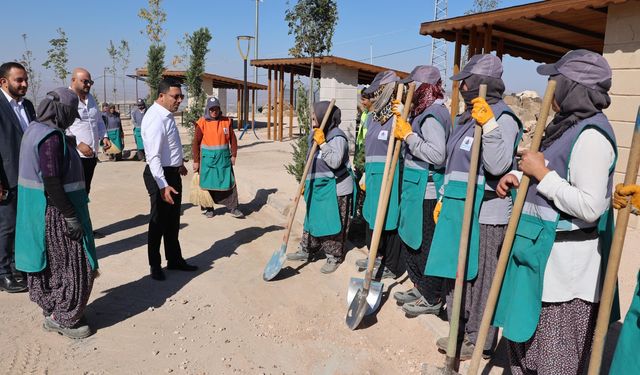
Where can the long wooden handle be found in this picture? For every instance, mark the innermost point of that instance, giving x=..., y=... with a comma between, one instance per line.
x=464, y=240
x=505, y=250
x=611, y=277
x=383, y=200
x=307, y=166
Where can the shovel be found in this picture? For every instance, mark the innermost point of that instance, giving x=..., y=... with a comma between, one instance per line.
x=452, y=360
x=276, y=261
x=363, y=296
x=611, y=277
x=505, y=250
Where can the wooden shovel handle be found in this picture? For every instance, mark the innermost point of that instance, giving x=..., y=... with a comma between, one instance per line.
x=615, y=253
x=505, y=250
x=307, y=166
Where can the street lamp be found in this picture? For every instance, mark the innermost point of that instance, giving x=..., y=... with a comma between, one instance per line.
x=244, y=54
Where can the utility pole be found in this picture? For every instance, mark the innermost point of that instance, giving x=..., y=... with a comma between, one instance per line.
x=439, y=46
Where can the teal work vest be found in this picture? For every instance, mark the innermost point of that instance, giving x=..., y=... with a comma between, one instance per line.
x=30, y=245
x=443, y=254
x=520, y=302
x=416, y=176
x=376, y=141
x=626, y=359
x=137, y=135
x=115, y=138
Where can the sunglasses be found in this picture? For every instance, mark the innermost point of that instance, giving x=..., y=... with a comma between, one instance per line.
x=176, y=97
x=87, y=82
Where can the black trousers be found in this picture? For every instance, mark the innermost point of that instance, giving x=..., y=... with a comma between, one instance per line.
x=88, y=166
x=8, y=210
x=165, y=218
x=390, y=249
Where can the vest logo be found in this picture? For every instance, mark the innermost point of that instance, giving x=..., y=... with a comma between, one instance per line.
x=383, y=135
x=226, y=131
x=466, y=144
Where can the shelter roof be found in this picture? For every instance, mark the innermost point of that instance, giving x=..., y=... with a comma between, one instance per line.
x=219, y=82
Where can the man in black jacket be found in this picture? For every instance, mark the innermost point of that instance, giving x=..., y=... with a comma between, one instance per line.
x=15, y=115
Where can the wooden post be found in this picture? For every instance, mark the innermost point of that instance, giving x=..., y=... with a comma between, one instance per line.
x=291, y=104
x=500, y=50
x=487, y=38
x=479, y=42
x=276, y=87
x=455, y=89
x=253, y=109
x=471, y=47
x=269, y=104
x=281, y=102
x=238, y=108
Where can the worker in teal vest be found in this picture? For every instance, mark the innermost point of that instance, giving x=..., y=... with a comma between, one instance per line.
x=626, y=359
x=501, y=131
x=379, y=133
x=113, y=123
x=425, y=149
x=136, y=118
x=549, y=298
x=54, y=238
x=328, y=192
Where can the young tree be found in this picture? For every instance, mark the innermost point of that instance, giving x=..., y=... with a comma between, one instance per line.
x=57, y=57
x=313, y=23
x=113, y=55
x=301, y=147
x=123, y=58
x=198, y=43
x=181, y=60
x=35, y=78
x=155, y=17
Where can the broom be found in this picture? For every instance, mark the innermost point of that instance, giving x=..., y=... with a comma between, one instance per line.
x=198, y=196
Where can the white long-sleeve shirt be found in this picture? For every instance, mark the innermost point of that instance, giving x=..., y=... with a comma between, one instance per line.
x=161, y=140
x=573, y=269
x=18, y=108
x=89, y=128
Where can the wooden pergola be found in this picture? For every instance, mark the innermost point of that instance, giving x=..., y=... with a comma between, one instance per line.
x=542, y=31
x=218, y=82
x=302, y=67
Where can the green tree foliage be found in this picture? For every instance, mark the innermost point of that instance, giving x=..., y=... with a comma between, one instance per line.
x=35, y=78
x=301, y=147
x=313, y=23
x=123, y=59
x=198, y=43
x=57, y=57
x=155, y=67
x=155, y=18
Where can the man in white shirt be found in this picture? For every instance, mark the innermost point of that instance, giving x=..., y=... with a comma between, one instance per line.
x=89, y=129
x=15, y=115
x=165, y=165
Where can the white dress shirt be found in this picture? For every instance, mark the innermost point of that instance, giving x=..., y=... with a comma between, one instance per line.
x=161, y=140
x=89, y=128
x=18, y=108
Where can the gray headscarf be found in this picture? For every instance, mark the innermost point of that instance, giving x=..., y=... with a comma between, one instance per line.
x=495, y=89
x=576, y=102
x=211, y=102
x=320, y=108
x=58, y=109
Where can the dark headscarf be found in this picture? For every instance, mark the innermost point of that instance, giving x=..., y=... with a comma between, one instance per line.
x=495, y=89
x=320, y=108
x=211, y=102
x=58, y=109
x=425, y=96
x=576, y=102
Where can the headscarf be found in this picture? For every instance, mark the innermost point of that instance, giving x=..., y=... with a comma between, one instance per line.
x=212, y=102
x=425, y=96
x=495, y=89
x=576, y=102
x=58, y=109
x=381, y=102
x=320, y=108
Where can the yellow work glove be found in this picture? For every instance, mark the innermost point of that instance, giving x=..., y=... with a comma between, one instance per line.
x=403, y=128
x=318, y=136
x=481, y=111
x=436, y=211
x=362, y=184
x=396, y=107
x=620, y=197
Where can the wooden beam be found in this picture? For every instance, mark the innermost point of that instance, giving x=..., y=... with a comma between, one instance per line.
x=455, y=89
x=281, y=103
x=269, y=104
x=531, y=49
x=253, y=109
x=500, y=50
x=570, y=28
x=488, y=30
x=471, y=47
x=535, y=38
x=290, y=105
x=276, y=95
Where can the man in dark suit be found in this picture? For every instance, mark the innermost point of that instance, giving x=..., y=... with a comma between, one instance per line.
x=15, y=115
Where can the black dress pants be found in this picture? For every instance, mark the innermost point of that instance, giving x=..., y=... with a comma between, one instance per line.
x=165, y=218
x=390, y=249
x=88, y=166
x=8, y=210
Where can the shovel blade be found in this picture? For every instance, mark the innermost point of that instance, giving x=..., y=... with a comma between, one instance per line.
x=275, y=263
x=362, y=302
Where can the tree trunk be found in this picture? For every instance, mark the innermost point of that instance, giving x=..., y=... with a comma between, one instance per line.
x=311, y=96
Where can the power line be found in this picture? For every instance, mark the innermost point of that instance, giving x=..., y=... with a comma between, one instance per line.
x=395, y=53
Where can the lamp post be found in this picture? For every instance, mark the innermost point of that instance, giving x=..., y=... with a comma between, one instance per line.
x=245, y=105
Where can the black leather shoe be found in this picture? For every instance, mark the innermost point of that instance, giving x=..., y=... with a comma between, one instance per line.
x=183, y=266
x=157, y=274
x=10, y=285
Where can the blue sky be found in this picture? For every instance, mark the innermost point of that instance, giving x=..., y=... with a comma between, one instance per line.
x=364, y=26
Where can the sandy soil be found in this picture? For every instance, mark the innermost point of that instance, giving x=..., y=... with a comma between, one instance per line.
x=225, y=319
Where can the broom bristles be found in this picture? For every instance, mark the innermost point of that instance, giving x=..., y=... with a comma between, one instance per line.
x=113, y=150
x=198, y=196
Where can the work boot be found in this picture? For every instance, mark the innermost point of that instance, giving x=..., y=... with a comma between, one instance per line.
x=236, y=213
x=209, y=213
x=300, y=255
x=421, y=306
x=407, y=296
x=387, y=274
x=331, y=265
x=78, y=331
x=361, y=264
x=466, y=349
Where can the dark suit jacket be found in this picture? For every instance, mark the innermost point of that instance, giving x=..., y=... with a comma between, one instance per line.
x=10, y=138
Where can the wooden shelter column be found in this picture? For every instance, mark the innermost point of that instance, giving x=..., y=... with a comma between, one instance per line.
x=488, y=31
x=276, y=95
x=291, y=105
x=253, y=108
x=500, y=49
x=471, y=47
x=455, y=89
x=269, y=104
x=281, y=102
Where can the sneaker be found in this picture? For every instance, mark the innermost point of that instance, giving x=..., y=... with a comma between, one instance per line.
x=209, y=213
x=466, y=349
x=236, y=213
x=79, y=331
x=300, y=255
x=421, y=306
x=407, y=296
x=387, y=274
x=331, y=265
x=362, y=264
